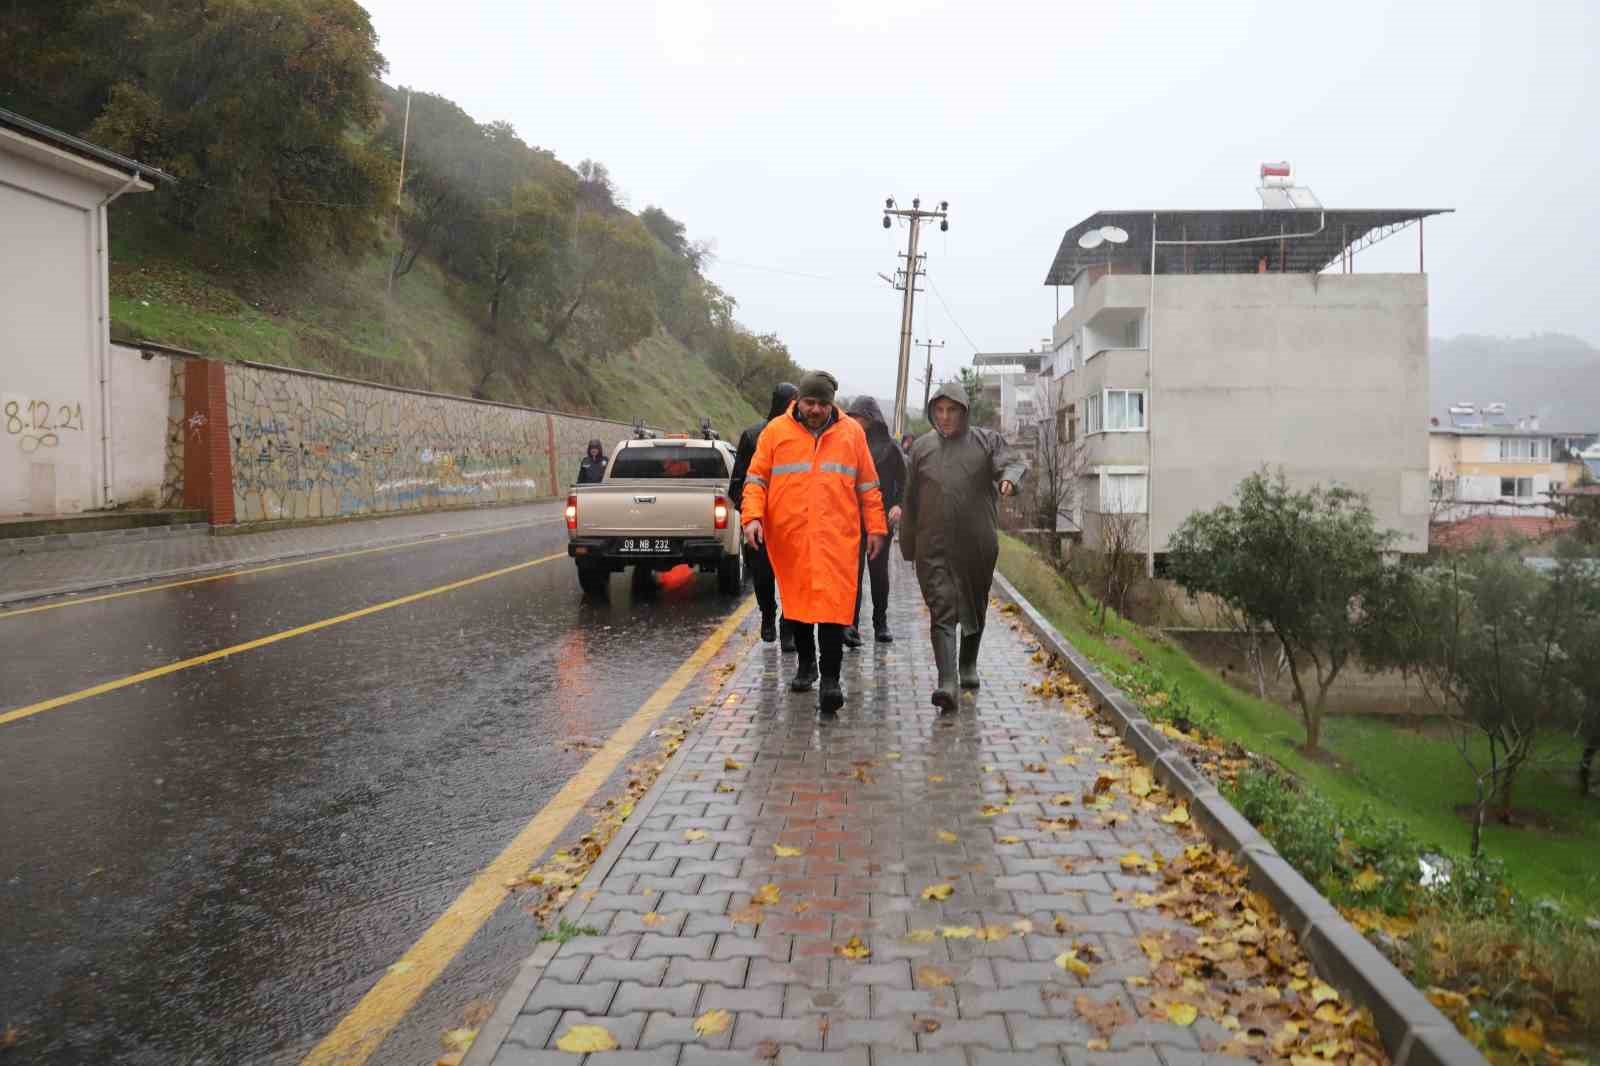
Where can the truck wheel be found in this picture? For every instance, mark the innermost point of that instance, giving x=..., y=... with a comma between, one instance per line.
x=730, y=574
x=594, y=580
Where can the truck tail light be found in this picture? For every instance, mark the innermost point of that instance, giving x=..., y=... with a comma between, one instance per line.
x=719, y=513
x=572, y=512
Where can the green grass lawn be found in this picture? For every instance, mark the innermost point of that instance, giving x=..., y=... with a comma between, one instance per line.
x=1414, y=776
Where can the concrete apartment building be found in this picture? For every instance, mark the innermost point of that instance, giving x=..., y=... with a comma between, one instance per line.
x=1011, y=380
x=1254, y=344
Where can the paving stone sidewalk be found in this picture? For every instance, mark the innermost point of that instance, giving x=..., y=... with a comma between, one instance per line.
x=184, y=554
x=879, y=803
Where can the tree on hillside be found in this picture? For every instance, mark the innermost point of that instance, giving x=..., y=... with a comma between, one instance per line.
x=596, y=190
x=1484, y=635
x=523, y=241
x=605, y=294
x=1307, y=564
x=754, y=363
x=260, y=106
x=981, y=410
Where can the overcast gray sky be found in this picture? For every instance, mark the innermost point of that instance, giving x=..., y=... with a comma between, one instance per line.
x=777, y=130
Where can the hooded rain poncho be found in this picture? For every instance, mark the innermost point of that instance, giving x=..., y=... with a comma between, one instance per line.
x=951, y=517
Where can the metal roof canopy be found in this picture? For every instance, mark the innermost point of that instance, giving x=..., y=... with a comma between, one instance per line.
x=1340, y=229
x=80, y=147
x=1025, y=360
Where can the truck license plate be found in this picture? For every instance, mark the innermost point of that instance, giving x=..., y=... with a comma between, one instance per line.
x=646, y=546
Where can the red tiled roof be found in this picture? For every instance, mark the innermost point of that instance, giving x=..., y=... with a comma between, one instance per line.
x=1478, y=528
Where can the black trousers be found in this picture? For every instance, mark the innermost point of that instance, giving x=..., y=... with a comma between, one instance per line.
x=879, y=570
x=830, y=635
x=760, y=567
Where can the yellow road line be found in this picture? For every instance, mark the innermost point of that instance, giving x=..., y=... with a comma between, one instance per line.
x=251, y=645
x=360, y=1032
x=274, y=566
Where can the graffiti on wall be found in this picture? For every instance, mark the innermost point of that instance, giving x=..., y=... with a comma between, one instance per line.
x=39, y=424
x=172, y=479
x=313, y=447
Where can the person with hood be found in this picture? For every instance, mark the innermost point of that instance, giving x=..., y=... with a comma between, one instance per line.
x=950, y=530
x=891, y=466
x=755, y=559
x=810, y=492
x=593, y=467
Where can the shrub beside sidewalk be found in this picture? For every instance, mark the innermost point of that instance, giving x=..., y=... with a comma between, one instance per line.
x=1517, y=975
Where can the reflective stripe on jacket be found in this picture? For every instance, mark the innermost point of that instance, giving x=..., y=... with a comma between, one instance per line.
x=813, y=496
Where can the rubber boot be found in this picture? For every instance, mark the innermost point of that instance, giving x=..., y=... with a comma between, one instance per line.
x=830, y=697
x=969, y=659
x=880, y=631
x=785, y=636
x=946, y=697
x=852, y=637
x=769, y=628
x=805, y=677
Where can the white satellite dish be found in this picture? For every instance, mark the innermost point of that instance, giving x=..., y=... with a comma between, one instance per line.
x=1091, y=240
x=1114, y=234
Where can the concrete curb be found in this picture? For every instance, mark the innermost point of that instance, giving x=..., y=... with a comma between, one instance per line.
x=100, y=584
x=1412, y=1029
x=492, y=1034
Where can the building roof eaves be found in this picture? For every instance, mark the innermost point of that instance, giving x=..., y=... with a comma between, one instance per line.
x=77, y=146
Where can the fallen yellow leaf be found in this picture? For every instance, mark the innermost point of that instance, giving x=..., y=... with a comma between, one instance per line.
x=891, y=755
x=1069, y=961
x=1010, y=840
x=692, y=835
x=936, y=779
x=783, y=851
x=1132, y=861
x=993, y=932
x=1140, y=783
x=932, y=977
x=1321, y=993
x=1367, y=880
x=1182, y=1013
x=713, y=1022
x=920, y=936
x=1518, y=1039
x=582, y=1039
x=854, y=949
x=947, y=837
x=940, y=891
x=1179, y=815
x=956, y=932
x=1022, y=927
x=722, y=786
x=729, y=764
x=459, y=1039
x=766, y=895
x=1098, y=1045
x=651, y=919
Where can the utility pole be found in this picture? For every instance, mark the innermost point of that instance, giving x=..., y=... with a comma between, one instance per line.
x=927, y=380
x=908, y=283
x=400, y=184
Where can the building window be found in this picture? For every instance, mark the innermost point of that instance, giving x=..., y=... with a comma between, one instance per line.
x=1516, y=488
x=1123, y=493
x=1116, y=411
x=1524, y=449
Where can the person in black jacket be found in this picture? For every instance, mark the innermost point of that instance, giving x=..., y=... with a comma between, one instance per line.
x=891, y=464
x=593, y=467
x=755, y=559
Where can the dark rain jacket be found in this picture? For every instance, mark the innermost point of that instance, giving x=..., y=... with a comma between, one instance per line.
x=886, y=454
x=950, y=527
x=782, y=396
x=592, y=469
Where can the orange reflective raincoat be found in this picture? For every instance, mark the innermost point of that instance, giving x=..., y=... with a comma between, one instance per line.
x=813, y=495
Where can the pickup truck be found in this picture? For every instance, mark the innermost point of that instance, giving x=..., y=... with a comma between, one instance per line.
x=662, y=502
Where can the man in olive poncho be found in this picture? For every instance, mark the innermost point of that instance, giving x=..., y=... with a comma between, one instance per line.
x=950, y=530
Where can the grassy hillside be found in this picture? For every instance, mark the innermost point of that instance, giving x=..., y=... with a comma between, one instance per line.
x=423, y=335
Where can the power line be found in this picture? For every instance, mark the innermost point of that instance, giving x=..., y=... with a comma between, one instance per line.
x=952, y=315
x=771, y=270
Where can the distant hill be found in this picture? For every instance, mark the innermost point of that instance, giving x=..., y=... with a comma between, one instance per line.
x=1553, y=375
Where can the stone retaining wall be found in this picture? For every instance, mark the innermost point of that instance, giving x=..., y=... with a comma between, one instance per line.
x=308, y=445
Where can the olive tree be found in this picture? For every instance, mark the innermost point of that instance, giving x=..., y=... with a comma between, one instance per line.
x=1305, y=564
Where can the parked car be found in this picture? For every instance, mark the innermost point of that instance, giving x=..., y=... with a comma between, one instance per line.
x=662, y=502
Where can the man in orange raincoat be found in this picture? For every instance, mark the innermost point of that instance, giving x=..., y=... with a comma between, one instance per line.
x=810, y=491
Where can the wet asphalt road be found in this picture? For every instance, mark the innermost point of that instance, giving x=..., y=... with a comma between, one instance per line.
x=215, y=865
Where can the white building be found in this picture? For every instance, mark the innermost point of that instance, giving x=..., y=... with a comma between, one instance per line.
x=1240, y=352
x=57, y=388
x=1012, y=378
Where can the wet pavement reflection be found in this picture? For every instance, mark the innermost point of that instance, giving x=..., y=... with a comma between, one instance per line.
x=214, y=865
